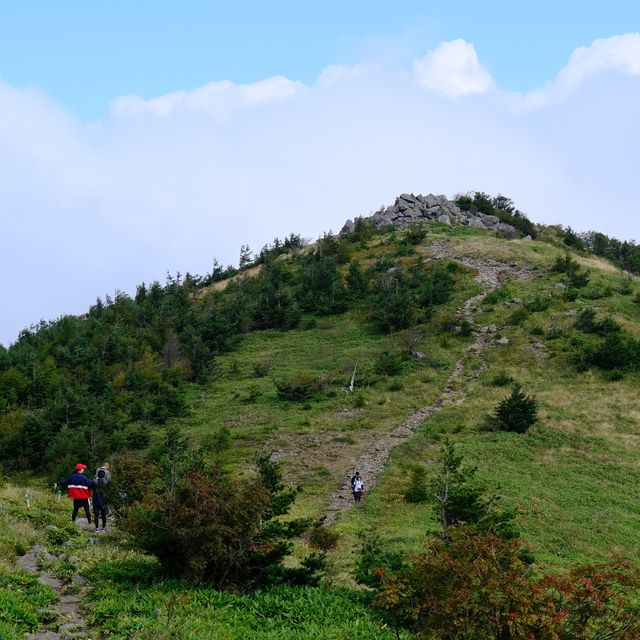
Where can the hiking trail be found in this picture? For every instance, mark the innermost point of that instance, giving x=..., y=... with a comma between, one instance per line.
x=69, y=623
x=372, y=463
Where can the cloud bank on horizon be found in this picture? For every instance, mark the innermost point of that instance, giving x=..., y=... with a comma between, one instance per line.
x=167, y=183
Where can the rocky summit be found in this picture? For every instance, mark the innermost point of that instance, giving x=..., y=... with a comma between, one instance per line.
x=409, y=208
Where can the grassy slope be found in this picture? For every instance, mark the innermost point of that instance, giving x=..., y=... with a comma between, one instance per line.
x=573, y=478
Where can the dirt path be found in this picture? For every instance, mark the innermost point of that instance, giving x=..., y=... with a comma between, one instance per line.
x=372, y=463
x=69, y=623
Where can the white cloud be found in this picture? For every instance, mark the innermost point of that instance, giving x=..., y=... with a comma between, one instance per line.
x=619, y=54
x=166, y=184
x=217, y=99
x=453, y=69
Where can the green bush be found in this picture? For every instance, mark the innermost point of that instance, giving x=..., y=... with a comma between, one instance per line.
x=374, y=563
x=501, y=379
x=515, y=413
x=205, y=526
x=539, y=303
x=417, y=490
x=263, y=367
x=388, y=363
x=300, y=387
x=323, y=538
x=518, y=316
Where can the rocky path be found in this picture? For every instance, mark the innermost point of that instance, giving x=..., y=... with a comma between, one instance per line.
x=372, y=463
x=69, y=623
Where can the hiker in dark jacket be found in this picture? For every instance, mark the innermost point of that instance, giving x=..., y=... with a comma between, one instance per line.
x=100, y=508
x=79, y=489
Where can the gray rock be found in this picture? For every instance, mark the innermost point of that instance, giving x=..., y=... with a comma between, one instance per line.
x=505, y=230
x=477, y=223
x=527, y=237
x=76, y=578
x=73, y=560
x=502, y=341
x=538, y=345
x=347, y=228
x=444, y=219
x=492, y=328
x=490, y=221
x=559, y=286
x=51, y=527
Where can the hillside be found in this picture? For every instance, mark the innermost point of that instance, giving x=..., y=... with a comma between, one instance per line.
x=366, y=351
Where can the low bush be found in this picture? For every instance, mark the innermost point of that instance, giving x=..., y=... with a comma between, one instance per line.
x=516, y=413
x=263, y=367
x=323, y=538
x=479, y=587
x=374, y=562
x=501, y=379
x=539, y=303
x=299, y=388
x=417, y=490
x=388, y=363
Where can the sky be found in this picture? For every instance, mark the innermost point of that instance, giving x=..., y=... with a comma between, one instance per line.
x=140, y=138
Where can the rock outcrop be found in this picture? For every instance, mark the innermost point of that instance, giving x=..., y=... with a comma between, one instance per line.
x=410, y=208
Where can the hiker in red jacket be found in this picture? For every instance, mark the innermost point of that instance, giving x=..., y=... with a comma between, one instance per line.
x=79, y=488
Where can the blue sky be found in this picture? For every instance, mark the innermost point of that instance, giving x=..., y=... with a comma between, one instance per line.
x=86, y=53
x=139, y=138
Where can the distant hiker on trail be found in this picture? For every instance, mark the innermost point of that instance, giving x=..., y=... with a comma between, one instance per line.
x=357, y=486
x=78, y=488
x=100, y=508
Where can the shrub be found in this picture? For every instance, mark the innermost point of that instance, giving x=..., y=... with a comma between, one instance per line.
x=300, y=387
x=518, y=316
x=374, y=562
x=539, y=303
x=613, y=351
x=323, y=538
x=501, y=379
x=245, y=544
x=417, y=490
x=404, y=249
x=517, y=412
x=262, y=367
x=479, y=587
x=577, y=276
x=388, y=363
x=474, y=587
x=416, y=233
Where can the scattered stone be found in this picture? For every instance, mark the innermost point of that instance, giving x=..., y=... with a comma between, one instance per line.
x=492, y=328
x=419, y=354
x=76, y=578
x=527, y=237
x=560, y=287
x=538, y=345
x=502, y=341
x=444, y=219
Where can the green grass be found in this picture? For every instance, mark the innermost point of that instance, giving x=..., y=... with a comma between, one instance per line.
x=573, y=478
